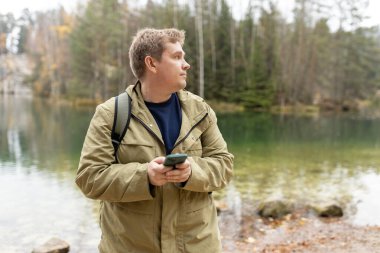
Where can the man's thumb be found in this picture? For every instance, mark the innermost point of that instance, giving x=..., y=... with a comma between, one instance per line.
x=159, y=160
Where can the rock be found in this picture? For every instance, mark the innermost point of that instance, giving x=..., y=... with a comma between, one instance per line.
x=54, y=245
x=328, y=211
x=275, y=209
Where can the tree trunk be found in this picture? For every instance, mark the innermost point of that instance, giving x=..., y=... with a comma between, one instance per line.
x=199, y=22
x=175, y=15
x=212, y=40
x=233, y=57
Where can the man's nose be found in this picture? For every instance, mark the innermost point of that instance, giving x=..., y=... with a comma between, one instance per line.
x=186, y=65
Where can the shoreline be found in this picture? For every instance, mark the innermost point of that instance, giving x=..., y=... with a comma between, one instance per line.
x=371, y=107
x=300, y=231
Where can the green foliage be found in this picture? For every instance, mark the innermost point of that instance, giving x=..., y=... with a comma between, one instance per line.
x=223, y=78
x=95, y=46
x=258, y=98
x=259, y=61
x=22, y=39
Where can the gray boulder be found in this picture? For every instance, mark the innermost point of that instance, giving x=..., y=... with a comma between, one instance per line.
x=275, y=209
x=328, y=210
x=53, y=245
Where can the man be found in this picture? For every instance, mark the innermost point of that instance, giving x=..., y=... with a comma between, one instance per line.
x=145, y=206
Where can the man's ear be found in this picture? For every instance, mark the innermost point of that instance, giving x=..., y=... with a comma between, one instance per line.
x=150, y=64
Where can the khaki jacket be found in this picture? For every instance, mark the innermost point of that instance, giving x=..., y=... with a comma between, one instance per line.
x=168, y=219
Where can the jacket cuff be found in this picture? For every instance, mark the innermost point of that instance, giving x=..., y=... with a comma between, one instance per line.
x=196, y=180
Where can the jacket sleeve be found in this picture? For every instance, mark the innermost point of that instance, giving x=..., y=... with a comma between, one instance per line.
x=98, y=177
x=214, y=169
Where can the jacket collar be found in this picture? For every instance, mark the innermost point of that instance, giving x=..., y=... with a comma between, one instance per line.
x=134, y=91
x=192, y=112
x=140, y=110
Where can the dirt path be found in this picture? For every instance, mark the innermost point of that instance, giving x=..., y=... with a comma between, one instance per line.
x=298, y=232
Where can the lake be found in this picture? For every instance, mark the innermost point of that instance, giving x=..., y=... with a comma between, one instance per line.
x=304, y=159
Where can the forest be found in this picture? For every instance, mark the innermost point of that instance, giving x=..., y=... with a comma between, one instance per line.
x=259, y=60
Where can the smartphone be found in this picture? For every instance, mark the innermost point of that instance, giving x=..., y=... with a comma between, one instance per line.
x=173, y=159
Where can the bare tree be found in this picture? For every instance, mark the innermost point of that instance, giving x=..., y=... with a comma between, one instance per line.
x=199, y=24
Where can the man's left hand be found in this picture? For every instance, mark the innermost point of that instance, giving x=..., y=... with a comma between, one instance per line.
x=180, y=174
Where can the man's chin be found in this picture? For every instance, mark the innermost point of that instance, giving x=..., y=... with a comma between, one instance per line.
x=179, y=86
x=182, y=85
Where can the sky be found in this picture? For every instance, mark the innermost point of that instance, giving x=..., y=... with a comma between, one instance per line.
x=239, y=6
x=16, y=6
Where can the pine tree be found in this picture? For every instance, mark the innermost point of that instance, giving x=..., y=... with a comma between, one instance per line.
x=95, y=47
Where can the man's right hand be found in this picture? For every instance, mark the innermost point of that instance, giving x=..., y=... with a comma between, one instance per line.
x=157, y=170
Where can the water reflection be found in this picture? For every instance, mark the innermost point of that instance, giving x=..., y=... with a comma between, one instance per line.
x=37, y=205
x=307, y=160
x=41, y=132
x=14, y=145
x=37, y=165
x=304, y=159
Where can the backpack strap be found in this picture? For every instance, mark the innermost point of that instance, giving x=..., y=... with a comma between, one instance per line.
x=121, y=120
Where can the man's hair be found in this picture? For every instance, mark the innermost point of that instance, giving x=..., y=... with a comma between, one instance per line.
x=151, y=42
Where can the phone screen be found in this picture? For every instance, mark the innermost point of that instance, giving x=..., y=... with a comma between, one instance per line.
x=173, y=159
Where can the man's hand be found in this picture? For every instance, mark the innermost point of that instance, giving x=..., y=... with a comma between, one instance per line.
x=180, y=174
x=157, y=171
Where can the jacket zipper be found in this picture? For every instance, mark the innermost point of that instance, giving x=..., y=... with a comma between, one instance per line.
x=153, y=133
x=196, y=124
x=147, y=128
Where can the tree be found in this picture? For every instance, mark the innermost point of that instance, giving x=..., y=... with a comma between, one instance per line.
x=95, y=47
x=223, y=80
x=259, y=60
x=199, y=24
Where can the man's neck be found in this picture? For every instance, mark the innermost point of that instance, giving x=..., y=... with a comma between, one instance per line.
x=153, y=92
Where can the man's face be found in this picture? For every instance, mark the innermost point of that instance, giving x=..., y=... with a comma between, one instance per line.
x=172, y=68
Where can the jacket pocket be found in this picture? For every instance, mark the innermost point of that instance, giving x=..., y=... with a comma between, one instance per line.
x=196, y=201
x=132, y=228
x=136, y=151
x=198, y=223
x=138, y=207
x=195, y=149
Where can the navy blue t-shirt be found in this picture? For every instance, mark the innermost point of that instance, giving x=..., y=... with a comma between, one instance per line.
x=168, y=116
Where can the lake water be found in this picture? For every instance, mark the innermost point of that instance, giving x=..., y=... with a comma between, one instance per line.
x=304, y=159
